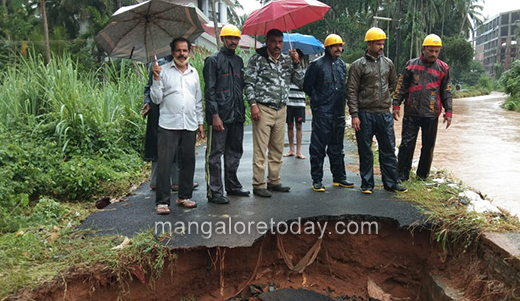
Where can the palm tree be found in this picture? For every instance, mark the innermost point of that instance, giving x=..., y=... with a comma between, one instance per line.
x=233, y=16
x=45, y=30
x=470, y=13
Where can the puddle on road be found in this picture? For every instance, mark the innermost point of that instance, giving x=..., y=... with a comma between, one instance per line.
x=404, y=264
x=481, y=148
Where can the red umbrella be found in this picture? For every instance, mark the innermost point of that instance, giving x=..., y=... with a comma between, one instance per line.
x=284, y=15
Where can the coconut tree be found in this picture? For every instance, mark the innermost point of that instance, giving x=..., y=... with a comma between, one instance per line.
x=469, y=13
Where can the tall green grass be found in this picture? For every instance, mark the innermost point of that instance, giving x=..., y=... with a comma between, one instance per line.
x=67, y=135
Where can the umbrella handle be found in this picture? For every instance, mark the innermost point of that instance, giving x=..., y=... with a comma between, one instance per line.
x=289, y=38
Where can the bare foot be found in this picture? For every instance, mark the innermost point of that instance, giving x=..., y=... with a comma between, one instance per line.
x=300, y=156
x=289, y=154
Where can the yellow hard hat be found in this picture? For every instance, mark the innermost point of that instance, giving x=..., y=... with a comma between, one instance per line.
x=375, y=34
x=432, y=40
x=333, y=39
x=230, y=31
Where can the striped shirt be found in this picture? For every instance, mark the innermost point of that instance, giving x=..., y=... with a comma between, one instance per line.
x=296, y=96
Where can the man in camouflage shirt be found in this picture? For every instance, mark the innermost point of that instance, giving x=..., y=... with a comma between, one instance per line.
x=267, y=79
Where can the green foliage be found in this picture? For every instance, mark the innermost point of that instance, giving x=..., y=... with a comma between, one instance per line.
x=498, y=70
x=484, y=82
x=471, y=75
x=458, y=54
x=511, y=82
x=450, y=220
x=48, y=245
x=69, y=136
x=353, y=55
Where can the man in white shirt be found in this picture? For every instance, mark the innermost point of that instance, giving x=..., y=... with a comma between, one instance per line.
x=176, y=89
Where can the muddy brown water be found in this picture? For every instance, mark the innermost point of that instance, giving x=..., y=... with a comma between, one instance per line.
x=399, y=261
x=482, y=148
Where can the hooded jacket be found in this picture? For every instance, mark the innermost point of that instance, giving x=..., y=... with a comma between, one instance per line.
x=325, y=84
x=224, y=82
x=370, y=84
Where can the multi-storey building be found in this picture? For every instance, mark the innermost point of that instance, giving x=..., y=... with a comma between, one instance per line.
x=496, y=42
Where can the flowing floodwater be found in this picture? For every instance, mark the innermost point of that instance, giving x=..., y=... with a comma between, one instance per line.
x=482, y=148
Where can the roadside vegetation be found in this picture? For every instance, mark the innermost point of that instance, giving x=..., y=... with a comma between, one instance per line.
x=511, y=81
x=450, y=213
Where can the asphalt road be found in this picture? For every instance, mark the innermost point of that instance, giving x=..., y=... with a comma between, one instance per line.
x=222, y=225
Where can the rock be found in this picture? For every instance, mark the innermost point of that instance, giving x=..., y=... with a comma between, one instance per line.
x=463, y=201
x=476, y=203
x=482, y=206
x=102, y=203
x=439, y=181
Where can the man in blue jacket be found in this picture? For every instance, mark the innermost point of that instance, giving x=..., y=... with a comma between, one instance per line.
x=325, y=84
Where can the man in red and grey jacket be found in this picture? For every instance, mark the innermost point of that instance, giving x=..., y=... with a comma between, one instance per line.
x=424, y=87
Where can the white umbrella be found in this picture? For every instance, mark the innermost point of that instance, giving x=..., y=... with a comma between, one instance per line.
x=145, y=30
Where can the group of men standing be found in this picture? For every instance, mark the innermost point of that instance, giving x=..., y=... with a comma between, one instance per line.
x=266, y=82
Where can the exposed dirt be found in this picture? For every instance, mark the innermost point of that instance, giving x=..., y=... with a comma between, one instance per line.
x=396, y=260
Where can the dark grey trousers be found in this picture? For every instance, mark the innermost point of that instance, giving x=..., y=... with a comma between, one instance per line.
x=382, y=126
x=227, y=143
x=169, y=142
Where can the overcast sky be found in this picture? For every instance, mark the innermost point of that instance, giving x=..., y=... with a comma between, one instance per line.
x=494, y=7
x=249, y=5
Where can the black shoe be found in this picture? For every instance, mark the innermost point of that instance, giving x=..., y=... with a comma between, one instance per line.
x=397, y=188
x=279, y=188
x=221, y=200
x=317, y=186
x=343, y=183
x=262, y=192
x=366, y=190
x=240, y=192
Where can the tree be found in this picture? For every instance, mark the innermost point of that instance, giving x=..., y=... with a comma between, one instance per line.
x=233, y=16
x=457, y=53
x=215, y=23
x=472, y=75
x=45, y=30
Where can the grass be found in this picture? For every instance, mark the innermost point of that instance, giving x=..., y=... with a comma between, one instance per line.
x=449, y=218
x=470, y=93
x=35, y=255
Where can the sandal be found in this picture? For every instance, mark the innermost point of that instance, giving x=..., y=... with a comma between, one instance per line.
x=162, y=209
x=187, y=203
x=300, y=156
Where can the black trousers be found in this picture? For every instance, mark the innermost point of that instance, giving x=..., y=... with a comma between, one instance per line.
x=169, y=142
x=411, y=125
x=382, y=126
x=327, y=139
x=227, y=143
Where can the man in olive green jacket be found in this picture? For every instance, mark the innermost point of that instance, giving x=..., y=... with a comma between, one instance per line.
x=370, y=82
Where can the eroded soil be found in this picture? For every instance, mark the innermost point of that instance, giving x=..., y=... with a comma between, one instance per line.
x=398, y=260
